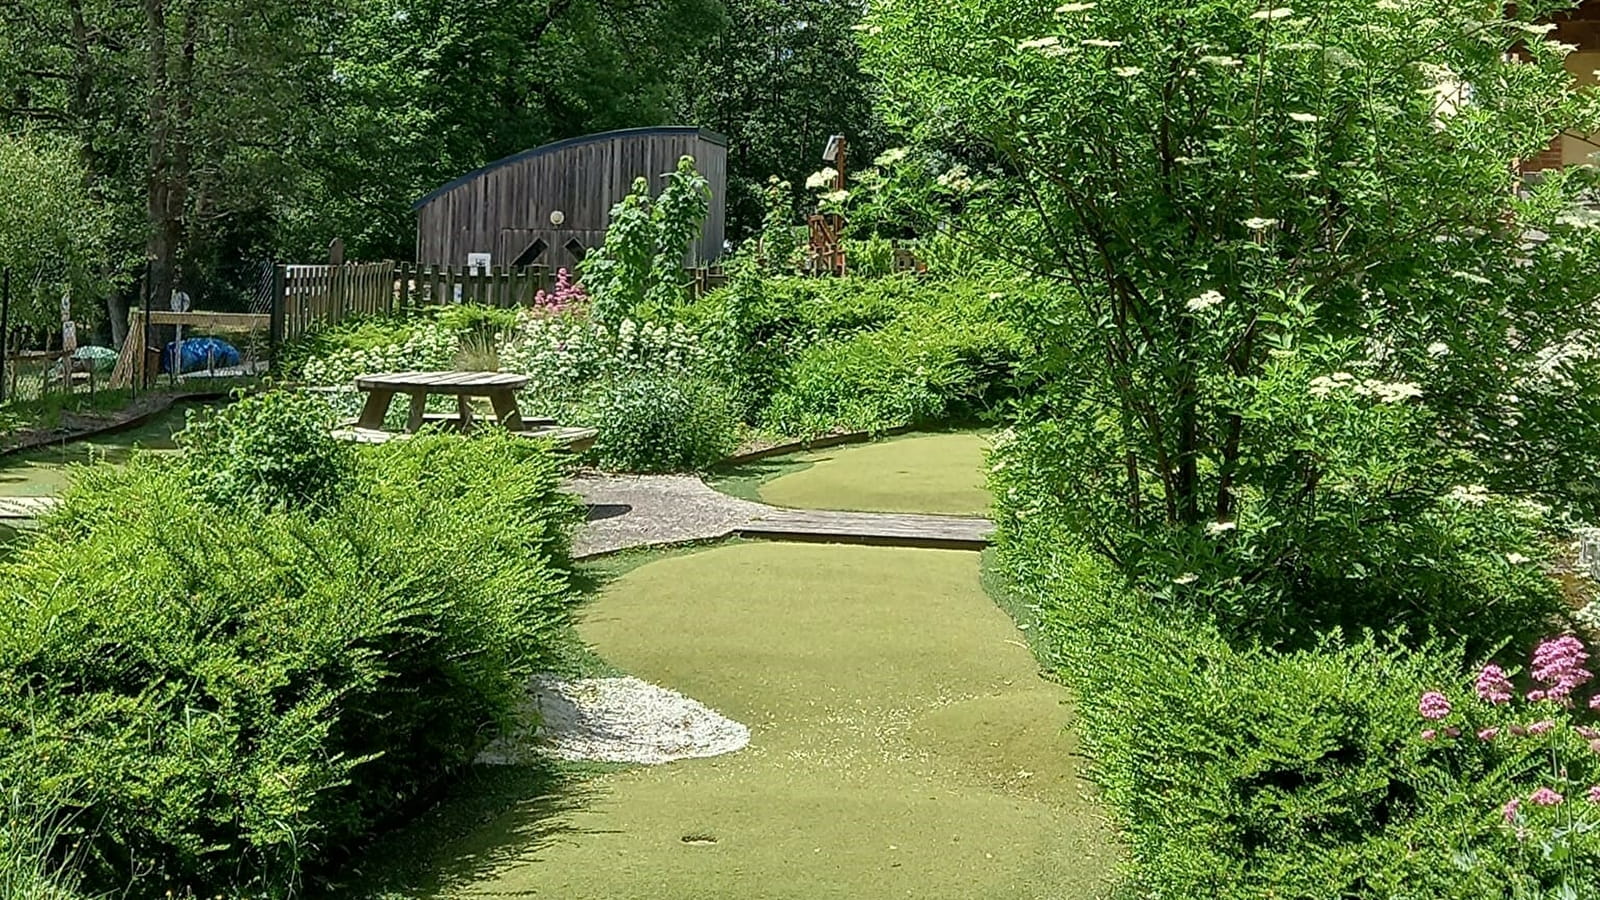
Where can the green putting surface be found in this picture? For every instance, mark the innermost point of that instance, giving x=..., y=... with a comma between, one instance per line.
x=929, y=473
x=46, y=472
x=903, y=745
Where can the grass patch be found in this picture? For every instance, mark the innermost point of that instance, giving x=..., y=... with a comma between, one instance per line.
x=921, y=473
x=903, y=745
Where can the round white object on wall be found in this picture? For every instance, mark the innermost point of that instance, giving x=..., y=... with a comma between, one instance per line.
x=557, y=218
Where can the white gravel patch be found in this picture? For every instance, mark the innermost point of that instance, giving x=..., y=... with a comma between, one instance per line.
x=616, y=720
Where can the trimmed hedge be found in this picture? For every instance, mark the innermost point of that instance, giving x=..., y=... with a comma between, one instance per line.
x=224, y=698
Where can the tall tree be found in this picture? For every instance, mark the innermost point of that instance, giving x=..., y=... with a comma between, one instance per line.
x=778, y=81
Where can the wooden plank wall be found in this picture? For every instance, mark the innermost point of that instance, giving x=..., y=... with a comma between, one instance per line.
x=502, y=209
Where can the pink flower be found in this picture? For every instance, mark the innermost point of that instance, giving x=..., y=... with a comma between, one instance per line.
x=1544, y=727
x=1510, y=809
x=1535, y=696
x=1493, y=685
x=1594, y=794
x=1434, y=706
x=1452, y=731
x=1488, y=734
x=1594, y=702
x=1429, y=734
x=1559, y=663
x=1595, y=746
x=1587, y=733
x=1546, y=797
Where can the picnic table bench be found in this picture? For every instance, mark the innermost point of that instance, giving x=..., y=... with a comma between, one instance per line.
x=499, y=388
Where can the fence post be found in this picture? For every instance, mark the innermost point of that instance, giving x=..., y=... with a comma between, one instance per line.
x=275, y=323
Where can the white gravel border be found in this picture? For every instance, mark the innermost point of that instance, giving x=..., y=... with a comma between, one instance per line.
x=623, y=720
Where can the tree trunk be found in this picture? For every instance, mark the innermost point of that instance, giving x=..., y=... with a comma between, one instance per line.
x=160, y=247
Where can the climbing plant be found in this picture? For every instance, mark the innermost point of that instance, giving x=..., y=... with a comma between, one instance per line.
x=640, y=268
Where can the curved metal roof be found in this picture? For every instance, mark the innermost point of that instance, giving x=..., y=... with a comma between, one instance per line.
x=567, y=144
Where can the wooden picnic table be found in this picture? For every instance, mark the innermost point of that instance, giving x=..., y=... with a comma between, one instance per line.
x=500, y=388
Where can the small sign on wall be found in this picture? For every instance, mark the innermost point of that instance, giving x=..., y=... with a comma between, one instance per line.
x=479, y=263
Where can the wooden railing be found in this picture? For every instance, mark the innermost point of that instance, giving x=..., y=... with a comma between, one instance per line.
x=309, y=297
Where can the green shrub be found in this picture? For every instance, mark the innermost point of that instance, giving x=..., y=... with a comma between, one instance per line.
x=229, y=698
x=270, y=450
x=915, y=371
x=812, y=356
x=653, y=422
x=353, y=334
x=473, y=319
x=1240, y=773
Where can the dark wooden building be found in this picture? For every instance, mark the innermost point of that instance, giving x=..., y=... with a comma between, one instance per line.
x=550, y=205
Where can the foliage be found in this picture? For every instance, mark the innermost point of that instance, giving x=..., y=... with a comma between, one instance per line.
x=28, y=835
x=54, y=235
x=437, y=88
x=779, y=80
x=1242, y=772
x=661, y=422
x=566, y=357
x=229, y=698
x=811, y=356
x=271, y=450
x=638, y=271
x=1226, y=184
x=427, y=347
x=1384, y=537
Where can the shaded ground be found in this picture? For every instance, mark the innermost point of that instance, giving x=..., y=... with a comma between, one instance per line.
x=903, y=745
x=44, y=472
x=927, y=473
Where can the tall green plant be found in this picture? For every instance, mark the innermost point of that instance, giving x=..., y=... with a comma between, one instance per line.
x=1256, y=213
x=639, y=269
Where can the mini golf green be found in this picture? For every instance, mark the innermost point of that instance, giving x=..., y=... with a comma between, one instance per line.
x=903, y=745
x=924, y=473
x=46, y=472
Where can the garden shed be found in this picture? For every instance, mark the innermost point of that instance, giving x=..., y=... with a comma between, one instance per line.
x=550, y=205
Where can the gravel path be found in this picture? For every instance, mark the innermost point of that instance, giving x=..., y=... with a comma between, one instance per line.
x=627, y=511
x=621, y=720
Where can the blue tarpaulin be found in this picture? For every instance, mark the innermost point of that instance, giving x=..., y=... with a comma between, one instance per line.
x=199, y=354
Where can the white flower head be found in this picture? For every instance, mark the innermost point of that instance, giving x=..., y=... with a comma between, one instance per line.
x=1067, y=9
x=1531, y=28
x=1304, y=117
x=1101, y=42
x=891, y=156
x=1271, y=15
x=1226, y=62
x=1438, y=349
x=1128, y=71
x=1517, y=559
x=819, y=180
x=1205, y=301
x=1216, y=529
x=1186, y=578
x=1039, y=43
x=836, y=196
x=1256, y=223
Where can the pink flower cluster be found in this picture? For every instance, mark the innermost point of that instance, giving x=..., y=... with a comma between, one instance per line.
x=1559, y=665
x=567, y=295
x=1434, y=706
x=1493, y=685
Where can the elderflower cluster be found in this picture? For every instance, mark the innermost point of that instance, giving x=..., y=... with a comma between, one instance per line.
x=1382, y=391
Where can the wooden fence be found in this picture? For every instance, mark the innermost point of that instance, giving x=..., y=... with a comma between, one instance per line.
x=310, y=297
x=135, y=365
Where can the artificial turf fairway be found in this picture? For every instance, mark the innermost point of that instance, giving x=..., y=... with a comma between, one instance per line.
x=933, y=473
x=903, y=744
